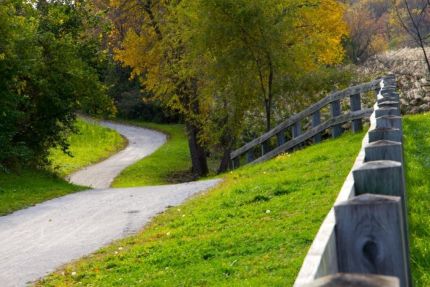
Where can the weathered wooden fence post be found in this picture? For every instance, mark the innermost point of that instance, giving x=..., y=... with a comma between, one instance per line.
x=280, y=137
x=393, y=122
x=384, y=150
x=236, y=162
x=355, y=280
x=389, y=104
x=390, y=134
x=387, y=112
x=355, y=102
x=316, y=121
x=385, y=177
x=250, y=155
x=370, y=236
x=265, y=147
x=296, y=129
x=335, y=109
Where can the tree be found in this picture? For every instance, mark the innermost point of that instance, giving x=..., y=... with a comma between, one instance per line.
x=414, y=18
x=213, y=60
x=261, y=43
x=155, y=52
x=365, y=37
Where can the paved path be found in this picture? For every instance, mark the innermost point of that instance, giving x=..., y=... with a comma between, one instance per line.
x=141, y=142
x=36, y=241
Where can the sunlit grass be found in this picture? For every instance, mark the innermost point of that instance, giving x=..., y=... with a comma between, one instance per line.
x=91, y=144
x=20, y=189
x=170, y=163
x=252, y=230
x=28, y=187
x=417, y=158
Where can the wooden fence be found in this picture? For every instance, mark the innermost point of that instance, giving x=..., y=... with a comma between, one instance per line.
x=260, y=148
x=363, y=241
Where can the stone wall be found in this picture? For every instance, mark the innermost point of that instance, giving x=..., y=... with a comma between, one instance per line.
x=413, y=78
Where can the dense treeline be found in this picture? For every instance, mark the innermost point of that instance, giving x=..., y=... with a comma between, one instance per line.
x=227, y=69
x=217, y=62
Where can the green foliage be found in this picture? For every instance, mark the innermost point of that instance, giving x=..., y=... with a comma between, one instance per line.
x=214, y=60
x=170, y=163
x=417, y=159
x=92, y=143
x=29, y=187
x=245, y=50
x=43, y=78
x=252, y=230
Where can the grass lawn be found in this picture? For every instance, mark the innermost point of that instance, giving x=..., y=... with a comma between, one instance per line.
x=24, y=189
x=91, y=144
x=252, y=230
x=169, y=164
x=417, y=157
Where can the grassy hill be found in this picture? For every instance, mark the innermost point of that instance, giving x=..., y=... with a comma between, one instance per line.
x=252, y=230
x=169, y=164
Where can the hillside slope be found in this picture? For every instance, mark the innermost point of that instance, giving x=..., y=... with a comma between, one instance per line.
x=252, y=230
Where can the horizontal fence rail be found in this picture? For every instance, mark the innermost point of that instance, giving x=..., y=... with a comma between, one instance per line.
x=337, y=118
x=364, y=241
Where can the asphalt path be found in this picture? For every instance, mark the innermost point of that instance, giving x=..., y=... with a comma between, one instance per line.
x=36, y=241
x=141, y=142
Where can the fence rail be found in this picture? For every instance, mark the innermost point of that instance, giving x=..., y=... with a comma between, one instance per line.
x=366, y=232
x=333, y=100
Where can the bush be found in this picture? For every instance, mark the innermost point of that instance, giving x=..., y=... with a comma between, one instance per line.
x=43, y=79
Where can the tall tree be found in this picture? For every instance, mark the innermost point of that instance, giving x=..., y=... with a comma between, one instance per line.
x=154, y=50
x=261, y=43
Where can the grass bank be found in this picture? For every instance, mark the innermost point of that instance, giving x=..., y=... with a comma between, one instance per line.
x=417, y=158
x=252, y=230
x=169, y=164
x=91, y=144
x=29, y=187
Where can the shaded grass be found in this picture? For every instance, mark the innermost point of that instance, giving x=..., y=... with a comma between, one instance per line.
x=169, y=164
x=417, y=161
x=254, y=229
x=91, y=144
x=24, y=189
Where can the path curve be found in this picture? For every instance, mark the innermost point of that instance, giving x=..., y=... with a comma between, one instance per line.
x=36, y=241
x=141, y=142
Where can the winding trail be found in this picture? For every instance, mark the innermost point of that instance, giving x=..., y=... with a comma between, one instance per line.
x=36, y=241
x=141, y=142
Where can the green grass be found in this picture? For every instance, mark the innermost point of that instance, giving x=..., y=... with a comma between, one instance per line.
x=252, y=230
x=170, y=163
x=417, y=158
x=29, y=187
x=91, y=144
x=24, y=189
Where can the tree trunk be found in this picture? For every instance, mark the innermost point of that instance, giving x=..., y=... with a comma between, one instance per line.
x=197, y=151
x=425, y=56
x=267, y=105
x=268, y=100
x=225, y=160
